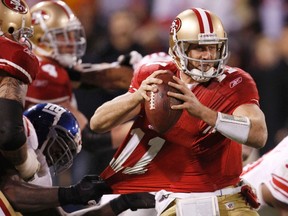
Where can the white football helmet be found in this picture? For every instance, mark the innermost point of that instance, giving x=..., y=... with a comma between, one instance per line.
x=15, y=20
x=198, y=26
x=58, y=33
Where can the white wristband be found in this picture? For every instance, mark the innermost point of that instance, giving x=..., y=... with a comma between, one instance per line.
x=28, y=169
x=233, y=127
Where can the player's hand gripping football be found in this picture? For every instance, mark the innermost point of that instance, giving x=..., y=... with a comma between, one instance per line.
x=158, y=109
x=149, y=85
x=190, y=102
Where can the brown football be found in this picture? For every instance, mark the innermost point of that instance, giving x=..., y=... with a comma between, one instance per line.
x=158, y=110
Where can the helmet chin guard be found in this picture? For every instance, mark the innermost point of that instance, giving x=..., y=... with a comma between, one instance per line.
x=66, y=60
x=199, y=75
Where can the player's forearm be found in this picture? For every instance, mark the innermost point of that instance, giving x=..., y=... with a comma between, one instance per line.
x=110, y=78
x=27, y=197
x=246, y=125
x=258, y=130
x=115, y=112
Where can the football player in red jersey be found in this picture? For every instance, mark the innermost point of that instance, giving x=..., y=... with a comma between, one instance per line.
x=60, y=46
x=200, y=156
x=18, y=68
x=56, y=44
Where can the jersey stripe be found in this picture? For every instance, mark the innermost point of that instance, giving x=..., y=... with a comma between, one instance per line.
x=3, y=206
x=3, y=209
x=22, y=70
x=281, y=184
x=56, y=100
x=204, y=20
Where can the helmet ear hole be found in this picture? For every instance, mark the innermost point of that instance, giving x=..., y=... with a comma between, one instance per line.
x=11, y=30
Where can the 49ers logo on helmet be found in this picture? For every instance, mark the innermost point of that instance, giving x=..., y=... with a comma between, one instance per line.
x=176, y=25
x=16, y=5
x=39, y=14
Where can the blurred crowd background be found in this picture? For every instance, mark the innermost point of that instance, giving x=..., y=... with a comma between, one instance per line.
x=258, y=42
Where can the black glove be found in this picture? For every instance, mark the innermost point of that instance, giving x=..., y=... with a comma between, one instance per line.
x=130, y=59
x=89, y=138
x=132, y=201
x=74, y=74
x=91, y=187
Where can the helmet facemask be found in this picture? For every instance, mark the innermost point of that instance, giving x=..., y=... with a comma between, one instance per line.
x=71, y=39
x=197, y=26
x=59, y=149
x=181, y=49
x=64, y=43
x=23, y=34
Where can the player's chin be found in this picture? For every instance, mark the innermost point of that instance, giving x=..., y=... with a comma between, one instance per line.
x=205, y=67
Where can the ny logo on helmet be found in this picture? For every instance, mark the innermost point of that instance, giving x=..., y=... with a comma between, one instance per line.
x=57, y=111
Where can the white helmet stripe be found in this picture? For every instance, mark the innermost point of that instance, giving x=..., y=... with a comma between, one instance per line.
x=204, y=20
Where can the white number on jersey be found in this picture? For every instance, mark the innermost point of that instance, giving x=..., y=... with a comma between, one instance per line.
x=50, y=69
x=141, y=166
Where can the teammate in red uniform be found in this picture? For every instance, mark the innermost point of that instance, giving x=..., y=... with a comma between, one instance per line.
x=57, y=45
x=18, y=68
x=201, y=153
x=60, y=46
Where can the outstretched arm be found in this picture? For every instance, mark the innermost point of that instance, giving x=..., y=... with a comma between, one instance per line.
x=26, y=197
x=124, y=107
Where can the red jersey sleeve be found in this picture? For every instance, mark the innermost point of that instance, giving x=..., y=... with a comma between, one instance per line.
x=18, y=61
x=233, y=88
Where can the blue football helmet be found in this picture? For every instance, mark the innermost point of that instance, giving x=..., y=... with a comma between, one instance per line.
x=58, y=133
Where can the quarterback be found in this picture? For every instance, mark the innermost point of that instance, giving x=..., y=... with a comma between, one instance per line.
x=200, y=156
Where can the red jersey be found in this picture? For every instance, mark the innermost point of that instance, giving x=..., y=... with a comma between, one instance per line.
x=191, y=156
x=52, y=84
x=17, y=60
